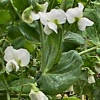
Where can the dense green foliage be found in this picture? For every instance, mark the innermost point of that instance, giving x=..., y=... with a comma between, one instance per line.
x=57, y=60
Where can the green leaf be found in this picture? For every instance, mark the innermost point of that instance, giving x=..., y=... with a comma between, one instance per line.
x=14, y=32
x=93, y=32
x=17, y=85
x=5, y=16
x=19, y=5
x=29, y=32
x=51, y=50
x=72, y=40
x=52, y=4
x=66, y=4
x=62, y=75
x=24, y=43
x=3, y=2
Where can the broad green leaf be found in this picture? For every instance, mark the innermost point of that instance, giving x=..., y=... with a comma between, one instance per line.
x=66, y=4
x=96, y=90
x=16, y=85
x=19, y=5
x=29, y=32
x=72, y=40
x=5, y=16
x=62, y=75
x=24, y=43
x=51, y=49
x=14, y=32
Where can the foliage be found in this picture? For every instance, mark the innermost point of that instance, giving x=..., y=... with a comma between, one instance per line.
x=57, y=61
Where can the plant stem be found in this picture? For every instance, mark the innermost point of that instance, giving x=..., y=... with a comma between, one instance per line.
x=88, y=50
x=22, y=84
x=8, y=96
x=42, y=38
x=15, y=9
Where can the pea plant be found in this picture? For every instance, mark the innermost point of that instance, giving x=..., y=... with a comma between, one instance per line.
x=49, y=49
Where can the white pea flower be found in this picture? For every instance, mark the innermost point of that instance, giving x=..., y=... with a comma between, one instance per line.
x=91, y=79
x=74, y=14
x=37, y=95
x=12, y=64
x=51, y=19
x=29, y=16
x=16, y=58
x=83, y=23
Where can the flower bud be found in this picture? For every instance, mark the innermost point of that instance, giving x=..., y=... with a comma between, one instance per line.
x=37, y=95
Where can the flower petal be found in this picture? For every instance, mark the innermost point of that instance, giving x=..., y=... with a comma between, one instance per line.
x=47, y=30
x=23, y=57
x=11, y=65
x=74, y=13
x=91, y=79
x=52, y=26
x=37, y=95
x=81, y=6
x=57, y=15
x=35, y=16
x=10, y=54
x=43, y=18
x=83, y=23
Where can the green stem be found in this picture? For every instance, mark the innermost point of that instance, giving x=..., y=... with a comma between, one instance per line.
x=8, y=96
x=88, y=50
x=15, y=9
x=42, y=36
x=19, y=97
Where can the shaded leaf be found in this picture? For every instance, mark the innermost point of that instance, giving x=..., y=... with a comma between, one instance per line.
x=29, y=32
x=19, y=5
x=72, y=40
x=62, y=75
x=17, y=85
x=5, y=16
